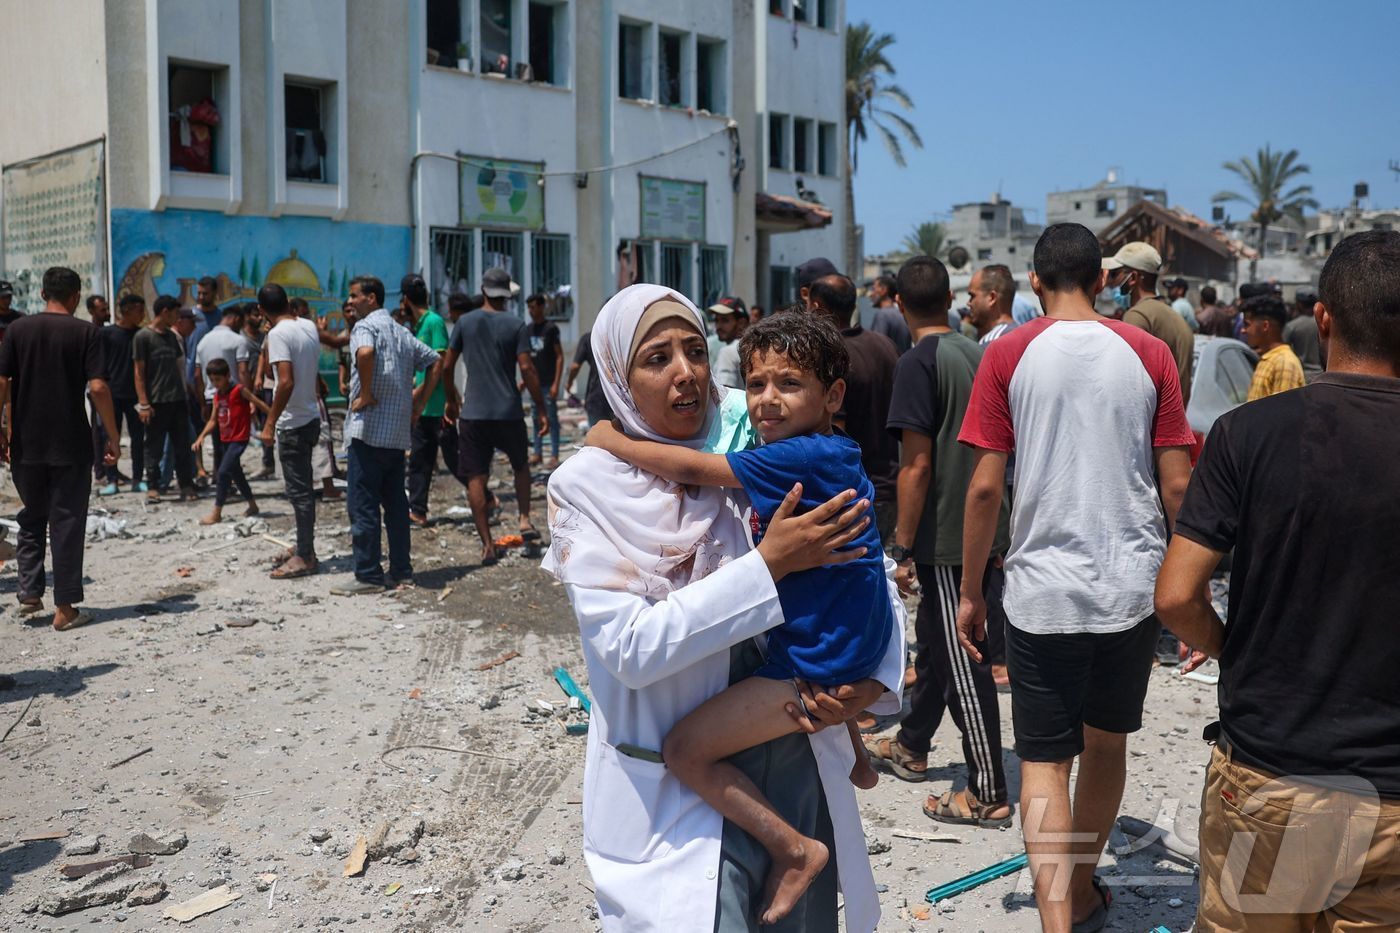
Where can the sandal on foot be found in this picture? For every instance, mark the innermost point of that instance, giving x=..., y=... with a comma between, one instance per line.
x=78, y=621
x=901, y=762
x=1099, y=918
x=282, y=572
x=965, y=810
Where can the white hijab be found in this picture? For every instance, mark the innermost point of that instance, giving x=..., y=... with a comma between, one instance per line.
x=615, y=527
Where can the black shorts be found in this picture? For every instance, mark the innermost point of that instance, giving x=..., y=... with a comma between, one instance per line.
x=478, y=441
x=1062, y=683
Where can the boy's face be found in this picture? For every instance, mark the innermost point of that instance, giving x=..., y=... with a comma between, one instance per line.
x=219, y=381
x=1259, y=331
x=785, y=401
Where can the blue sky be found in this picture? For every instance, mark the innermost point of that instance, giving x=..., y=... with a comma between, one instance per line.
x=1029, y=97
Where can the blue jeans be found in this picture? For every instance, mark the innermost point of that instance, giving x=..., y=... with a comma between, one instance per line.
x=375, y=478
x=551, y=411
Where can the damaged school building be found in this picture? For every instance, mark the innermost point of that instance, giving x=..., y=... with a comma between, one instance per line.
x=580, y=145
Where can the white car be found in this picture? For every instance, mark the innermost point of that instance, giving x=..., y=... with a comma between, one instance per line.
x=1222, y=371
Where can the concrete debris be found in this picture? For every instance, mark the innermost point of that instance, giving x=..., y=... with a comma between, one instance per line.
x=877, y=846
x=83, y=869
x=488, y=700
x=555, y=855
x=60, y=903
x=511, y=870
x=168, y=844
x=83, y=845
x=249, y=527
x=264, y=881
x=319, y=834
x=387, y=840
x=102, y=527
x=146, y=893
x=108, y=873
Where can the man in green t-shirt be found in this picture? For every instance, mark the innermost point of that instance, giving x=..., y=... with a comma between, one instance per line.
x=429, y=327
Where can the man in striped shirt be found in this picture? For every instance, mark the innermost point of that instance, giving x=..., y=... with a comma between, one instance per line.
x=378, y=429
x=990, y=294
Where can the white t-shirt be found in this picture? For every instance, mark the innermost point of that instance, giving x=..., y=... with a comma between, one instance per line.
x=296, y=341
x=1083, y=404
x=221, y=343
x=726, y=369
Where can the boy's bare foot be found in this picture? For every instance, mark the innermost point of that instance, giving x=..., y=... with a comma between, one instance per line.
x=790, y=878
x=251, y=510
x=863, y=775
x=213, y=518
x=488, y=555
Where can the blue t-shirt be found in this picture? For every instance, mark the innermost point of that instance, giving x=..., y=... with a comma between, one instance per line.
x=838, y=619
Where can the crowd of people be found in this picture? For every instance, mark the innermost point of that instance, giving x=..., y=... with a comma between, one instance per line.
x=1030, y=478
x=760, y=493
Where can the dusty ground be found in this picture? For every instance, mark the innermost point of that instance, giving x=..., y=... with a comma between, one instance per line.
x=274, y=747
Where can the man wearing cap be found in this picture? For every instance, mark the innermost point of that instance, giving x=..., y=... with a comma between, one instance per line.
x=1176, y=293
x=731, y=319
x=1279, y=369
x=1133, y=271
x=1301, y=334
x=494, y=342
x=8, y=315
x=809, y=272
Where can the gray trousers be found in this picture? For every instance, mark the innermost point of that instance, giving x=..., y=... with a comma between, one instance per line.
x=294, y=449
x=786, y=772
x=55, y=501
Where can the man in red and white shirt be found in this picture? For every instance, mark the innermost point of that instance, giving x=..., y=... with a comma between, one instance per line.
x=1092, y=409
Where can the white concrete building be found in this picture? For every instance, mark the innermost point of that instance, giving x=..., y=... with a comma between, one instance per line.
x=1100, y=205
x=581, y=145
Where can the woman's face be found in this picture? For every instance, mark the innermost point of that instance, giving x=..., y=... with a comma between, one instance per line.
x=670, y=379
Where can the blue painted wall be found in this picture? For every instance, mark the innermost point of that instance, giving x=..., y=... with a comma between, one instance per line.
x=167, y=252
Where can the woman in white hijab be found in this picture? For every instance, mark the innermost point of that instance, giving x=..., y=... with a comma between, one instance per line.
x=670, y=595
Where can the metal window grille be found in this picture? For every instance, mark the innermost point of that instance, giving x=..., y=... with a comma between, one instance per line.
x=452, y=265
x=504, y=250
x=675, y=267
x=551, y=274
x=714, y=274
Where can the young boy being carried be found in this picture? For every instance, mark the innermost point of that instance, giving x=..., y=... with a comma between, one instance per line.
x=230, y=415
x=837, y=619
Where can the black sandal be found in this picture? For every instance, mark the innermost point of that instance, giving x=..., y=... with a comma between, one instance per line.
x=1099, y=918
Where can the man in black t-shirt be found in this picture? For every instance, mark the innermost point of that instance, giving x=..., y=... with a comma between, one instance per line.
x=595, y=403
x=47, y=360
x=1304, y=487
x=119, y=371
x=869, y=385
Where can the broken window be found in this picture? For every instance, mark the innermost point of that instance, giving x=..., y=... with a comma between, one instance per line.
x=675, y=267
x=307, y=143
x=549, y=266
x=631, y=62
x=801, y=145
x=1106, y=207
x=826, y=148
x=671, y=86
x=777, y=141
x=987, y=214
x=709, y=75
x=714, y=274
x=495, y=37
x=196, y=140
x=984, y=255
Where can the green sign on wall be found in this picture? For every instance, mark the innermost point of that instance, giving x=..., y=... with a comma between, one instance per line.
x=672, y=210
x=502, y=193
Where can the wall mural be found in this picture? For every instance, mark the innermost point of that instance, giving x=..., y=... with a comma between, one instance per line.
x=168, y=252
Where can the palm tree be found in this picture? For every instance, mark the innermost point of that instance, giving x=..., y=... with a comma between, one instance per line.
x=869, y=91
x=1267, y=174
x=926, y=239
